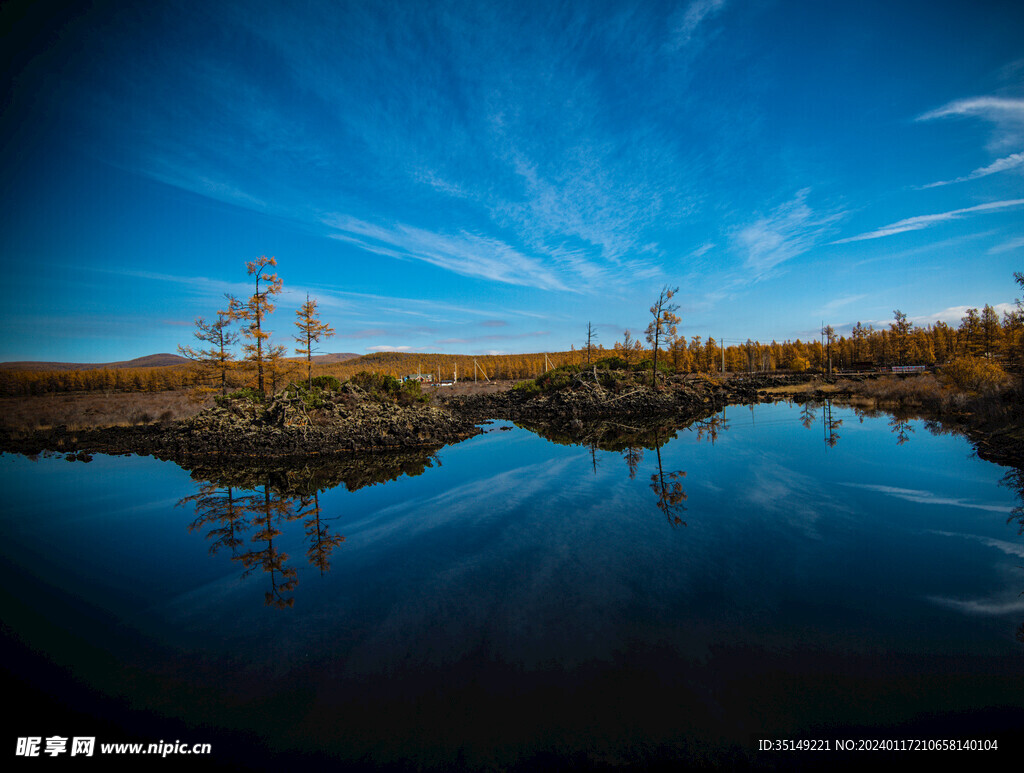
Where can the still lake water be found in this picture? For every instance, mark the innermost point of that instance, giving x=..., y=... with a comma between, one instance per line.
x=511, y=600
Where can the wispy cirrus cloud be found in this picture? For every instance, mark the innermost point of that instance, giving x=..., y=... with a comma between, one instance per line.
x=1006, y=114
x=991, y=108
x=790, y=230
x=1012, y=244
x=686, y=22
x=834, y=305
x=376, y=332
x=464, y=253
x=1013, y=161
x=926, y=221
x=494, y=337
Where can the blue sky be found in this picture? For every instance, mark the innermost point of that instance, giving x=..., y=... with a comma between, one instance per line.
x=480, y=177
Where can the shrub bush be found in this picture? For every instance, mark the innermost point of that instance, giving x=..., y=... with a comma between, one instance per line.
x=245, y=394
x=975, y=375
x=528, y=388
x=383, y=387
x=611, y=363
x=326, y=383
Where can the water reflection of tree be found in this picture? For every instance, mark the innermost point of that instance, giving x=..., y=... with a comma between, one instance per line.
x=268, y=515
x=709, y=428
x=830, y=425
x=807, y=414
x=249, y=504
x=669, y=491
x=900, y=426
x=221, y=509
x=321, y=541
x=633, y=455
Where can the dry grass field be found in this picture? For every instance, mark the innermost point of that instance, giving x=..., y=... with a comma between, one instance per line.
x=96, y=409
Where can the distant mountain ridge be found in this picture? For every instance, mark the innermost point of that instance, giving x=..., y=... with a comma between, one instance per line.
x=149, y=361
x=336, y=357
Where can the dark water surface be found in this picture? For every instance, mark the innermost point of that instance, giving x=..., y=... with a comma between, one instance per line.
x=516, y=601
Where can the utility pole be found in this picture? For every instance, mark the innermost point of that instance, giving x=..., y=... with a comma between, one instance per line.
x=477, y=367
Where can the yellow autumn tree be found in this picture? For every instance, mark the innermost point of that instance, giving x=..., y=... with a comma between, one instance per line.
x=218, y=359
x=663, y=326
x=254, y=310
x=311, y=330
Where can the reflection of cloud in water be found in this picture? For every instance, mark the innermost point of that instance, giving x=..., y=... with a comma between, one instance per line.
x=983, y=607
x=201, y=600
x=1010, y=603
x=1010, y=548
x=529, y=585
x=471, y=502
x=801, y=499
x=927, y=497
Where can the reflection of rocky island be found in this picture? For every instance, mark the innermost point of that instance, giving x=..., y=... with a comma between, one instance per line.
x=631, y=440
x=243, y=507
x=372, y=412
x=619, y=436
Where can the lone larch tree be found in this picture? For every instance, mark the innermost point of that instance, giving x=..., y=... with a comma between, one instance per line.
x=311, y=330
x=218, y=359
x=663, y=324
x=591, y=335
x=254, y=310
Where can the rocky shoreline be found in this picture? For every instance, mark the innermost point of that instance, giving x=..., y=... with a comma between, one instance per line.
x=353, y=421
x=590, y=400
x=349, y=421
x=282, y=428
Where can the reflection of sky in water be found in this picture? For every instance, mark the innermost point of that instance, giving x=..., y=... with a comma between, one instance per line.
x=529, y=556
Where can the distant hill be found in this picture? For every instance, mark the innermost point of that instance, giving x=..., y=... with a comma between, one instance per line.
x=336, y=357
x=149, y=361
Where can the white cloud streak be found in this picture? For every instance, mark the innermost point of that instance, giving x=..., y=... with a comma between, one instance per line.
x=464, y=253
x=696, y=13
x=1005, y=113
x=1001, y=165
x=787, y=232
x=991, y=108
x=921, y=222
x=1012, y=244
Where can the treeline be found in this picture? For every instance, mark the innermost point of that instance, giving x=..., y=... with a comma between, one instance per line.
x=240, y=374
x=40, y=382
x=981, y=335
